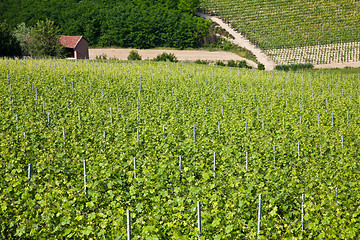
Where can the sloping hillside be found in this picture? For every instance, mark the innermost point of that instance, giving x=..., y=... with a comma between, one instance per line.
x=291, y=25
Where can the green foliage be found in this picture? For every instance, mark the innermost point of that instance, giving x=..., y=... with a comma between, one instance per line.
x=294, y=67
x=127, y=23
x=199, y=61
x=154, y=107
x=231, y=63
x=9, y=46
x=22, y=35
x=190, y=6
x=220, y=63
x=166, y=57
x=261, y=66
x=134, y=55
x=44, y=40
x=277, y=24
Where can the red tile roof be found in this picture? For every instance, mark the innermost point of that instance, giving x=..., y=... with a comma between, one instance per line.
x=70, y=41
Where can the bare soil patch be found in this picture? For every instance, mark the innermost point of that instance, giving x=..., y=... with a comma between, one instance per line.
x=181, y=55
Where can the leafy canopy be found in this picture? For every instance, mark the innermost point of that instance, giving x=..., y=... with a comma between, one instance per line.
x=44, y=40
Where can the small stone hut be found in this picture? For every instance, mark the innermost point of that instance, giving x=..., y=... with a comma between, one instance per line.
x=77, y=47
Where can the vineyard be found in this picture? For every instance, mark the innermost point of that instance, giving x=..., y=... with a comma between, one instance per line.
x=286, y=28
x=83, y=142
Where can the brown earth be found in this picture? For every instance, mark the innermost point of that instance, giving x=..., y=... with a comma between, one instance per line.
x=181, y=55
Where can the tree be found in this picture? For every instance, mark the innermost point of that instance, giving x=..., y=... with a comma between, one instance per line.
x=22, y=35
x=44, y=40
x=8, y=44
x=190, y=6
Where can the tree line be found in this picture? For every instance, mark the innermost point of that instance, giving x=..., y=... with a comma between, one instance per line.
x=126, y=23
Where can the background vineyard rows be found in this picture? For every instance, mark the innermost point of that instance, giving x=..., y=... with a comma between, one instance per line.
x=281, y=26
x=155, y=107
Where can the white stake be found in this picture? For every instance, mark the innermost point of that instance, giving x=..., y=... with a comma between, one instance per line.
x=134, y=167
x=17, y=122
x=79, y=116
x=302, y=211
x=64, y=136
x=29, y=173
x=180, y=163
x=245, y=127
x=214, y=165
x=274, y=151
x=298, y=149
x=194, y=134
x=111, y=116
x=117, y=104
x=128, y=224
x=199, y=217
x=342, y=141
x=219, y=130
x=259, y=216
x=336, y=191
x=85, y=183
x=283, y=122
x=247, y=161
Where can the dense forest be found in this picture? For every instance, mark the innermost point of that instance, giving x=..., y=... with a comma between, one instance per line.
x=125, y=23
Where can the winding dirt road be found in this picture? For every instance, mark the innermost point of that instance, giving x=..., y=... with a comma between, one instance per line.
x=241, y=41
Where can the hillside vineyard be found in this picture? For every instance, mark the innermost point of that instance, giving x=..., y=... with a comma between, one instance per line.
x=82, y=142
x=319, y=32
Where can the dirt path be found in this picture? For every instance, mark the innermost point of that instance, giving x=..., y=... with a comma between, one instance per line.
x=182, y=55
x=243, y=42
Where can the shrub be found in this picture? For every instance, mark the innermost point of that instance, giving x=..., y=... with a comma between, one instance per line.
x=134, y=55
x=294, y=67
x=220, y=63
x=261, y=66
x=198, y=61
x=242, y=64
x=231, y=63
x=166, y=57
x=101, y=57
